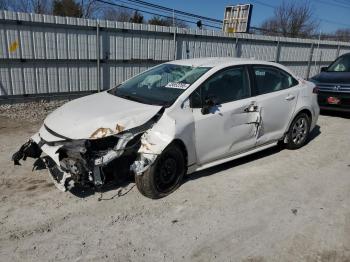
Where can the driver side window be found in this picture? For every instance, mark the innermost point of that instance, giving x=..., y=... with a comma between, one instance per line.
x=225, y=86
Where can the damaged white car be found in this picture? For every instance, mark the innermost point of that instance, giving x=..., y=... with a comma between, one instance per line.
x=171, y=120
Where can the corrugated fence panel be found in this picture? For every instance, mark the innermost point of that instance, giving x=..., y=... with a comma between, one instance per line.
x=5, y=83
x=293, y=52
x=17, y=79
x=41, y=80
x=26, y=42
x=3, y=44
x=83, y=44
x=39, y=43
x=13, y=43
x=258, y=50
x=328, y=53
x=344, y=50
x=52, y=79
x=62, y=44
x=50, y=40
x=47, y=54
x=73, y=44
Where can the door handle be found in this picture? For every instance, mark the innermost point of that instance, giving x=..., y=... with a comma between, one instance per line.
x=290, y=97
x=251, y=108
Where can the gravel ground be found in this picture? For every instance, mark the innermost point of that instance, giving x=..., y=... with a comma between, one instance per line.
x=276, y=205
x=30, y=111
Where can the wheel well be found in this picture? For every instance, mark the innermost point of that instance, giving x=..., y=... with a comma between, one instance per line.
x=307, y=112
x=182, y=146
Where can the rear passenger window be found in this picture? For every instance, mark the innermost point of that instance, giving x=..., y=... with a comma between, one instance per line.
x=269, y=79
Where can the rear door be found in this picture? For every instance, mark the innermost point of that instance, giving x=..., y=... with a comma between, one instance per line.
x=228, y=128
x=276, y=95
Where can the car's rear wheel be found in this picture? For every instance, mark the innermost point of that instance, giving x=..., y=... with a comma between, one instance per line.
x=298, y=131
x=164, y=176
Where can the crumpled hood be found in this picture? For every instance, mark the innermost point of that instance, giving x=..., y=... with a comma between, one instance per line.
x=98, y=115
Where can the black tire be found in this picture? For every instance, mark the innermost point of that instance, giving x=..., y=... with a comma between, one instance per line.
x=298, y=132
x=164, y=176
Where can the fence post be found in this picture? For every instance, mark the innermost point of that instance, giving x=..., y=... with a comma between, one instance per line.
x=338, y=51
x=277, y=55
x=237, y=54
x=309, y=61
x=98, y=56
x=175, y=50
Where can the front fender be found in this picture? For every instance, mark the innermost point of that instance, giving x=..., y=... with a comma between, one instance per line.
x=156, y=139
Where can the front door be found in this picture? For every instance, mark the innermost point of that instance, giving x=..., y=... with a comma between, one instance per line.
x=230, y=126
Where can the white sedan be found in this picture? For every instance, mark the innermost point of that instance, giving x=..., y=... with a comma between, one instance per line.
x=174, y=119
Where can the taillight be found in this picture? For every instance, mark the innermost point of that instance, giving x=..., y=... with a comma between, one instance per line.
x=316, y=90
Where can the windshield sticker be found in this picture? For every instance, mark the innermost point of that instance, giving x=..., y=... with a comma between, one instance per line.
x=177, y=85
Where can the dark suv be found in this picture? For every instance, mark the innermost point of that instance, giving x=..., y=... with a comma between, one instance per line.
x=333, y=85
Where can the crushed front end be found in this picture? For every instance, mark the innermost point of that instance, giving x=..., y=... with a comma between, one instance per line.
x=106, y=156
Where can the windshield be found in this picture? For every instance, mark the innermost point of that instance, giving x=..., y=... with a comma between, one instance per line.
x=161, y=85
x=342, y=64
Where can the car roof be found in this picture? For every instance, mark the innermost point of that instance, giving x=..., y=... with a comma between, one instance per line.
x=222, y=62
x=346, y=54
x=219, y=61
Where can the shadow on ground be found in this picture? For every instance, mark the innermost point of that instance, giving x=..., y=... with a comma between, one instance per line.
x=123, y=186
x=240, y=161
x=345, y=115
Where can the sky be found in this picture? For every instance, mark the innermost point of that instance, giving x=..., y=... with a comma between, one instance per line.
x=334, y=14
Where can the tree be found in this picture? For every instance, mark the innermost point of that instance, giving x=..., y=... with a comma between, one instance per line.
x=4, y=4
x=117, y=14
x=342, y=35
x=67, y=8
x=136, y=18
x=30, y=6
x=41, y=6
x=92, y=8
x=157, y=20
x=293, y=19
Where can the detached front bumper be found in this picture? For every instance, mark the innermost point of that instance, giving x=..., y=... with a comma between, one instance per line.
x=35, y=148
x=92, y=161
x=85, y=162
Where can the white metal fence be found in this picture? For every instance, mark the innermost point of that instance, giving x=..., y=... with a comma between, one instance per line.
x=41, y=54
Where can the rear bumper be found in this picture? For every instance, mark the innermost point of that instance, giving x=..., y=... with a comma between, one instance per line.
x=333, y=108
x=342, y=106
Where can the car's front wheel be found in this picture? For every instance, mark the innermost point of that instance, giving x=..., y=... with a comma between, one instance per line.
x=165, y=175
x=298, y=131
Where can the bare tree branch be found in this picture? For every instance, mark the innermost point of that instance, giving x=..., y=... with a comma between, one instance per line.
x=117, y=14
x=92, y=8
x=4, y=4
x=156, y=20
x=293, y=19
x=30, y=6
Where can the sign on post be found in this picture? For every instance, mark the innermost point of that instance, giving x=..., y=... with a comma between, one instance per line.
x=237, y=18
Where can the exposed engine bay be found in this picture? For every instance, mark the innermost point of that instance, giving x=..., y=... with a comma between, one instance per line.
x=92, y=162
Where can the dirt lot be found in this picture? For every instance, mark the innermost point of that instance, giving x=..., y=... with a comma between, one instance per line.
x=277, y=205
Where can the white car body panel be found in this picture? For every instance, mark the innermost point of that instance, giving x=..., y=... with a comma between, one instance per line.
x=227, y=133
x=81, y=118
x=276, y=109
x=226, y=130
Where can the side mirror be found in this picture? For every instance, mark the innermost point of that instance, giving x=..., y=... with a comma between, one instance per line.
x=324, y=68
x=209, y=102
